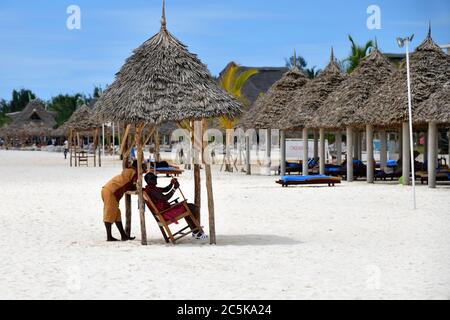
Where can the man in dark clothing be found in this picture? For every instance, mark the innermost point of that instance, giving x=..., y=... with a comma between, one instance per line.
x=161, y=198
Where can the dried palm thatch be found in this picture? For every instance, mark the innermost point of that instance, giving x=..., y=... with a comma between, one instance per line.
x=82, y=120
x=308, y=99
x=338, y=110
x=430, y=70
x=436, y=108
x=34, y=120
x=163, y=81
x=268, y=108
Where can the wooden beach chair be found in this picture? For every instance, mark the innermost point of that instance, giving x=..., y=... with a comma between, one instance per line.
x=308, y=180
x=83, y=159
x=164, y=224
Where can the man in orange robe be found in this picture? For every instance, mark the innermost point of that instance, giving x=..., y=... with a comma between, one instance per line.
x=112, y=193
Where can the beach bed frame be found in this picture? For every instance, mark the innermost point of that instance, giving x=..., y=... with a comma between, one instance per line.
x=309, y=180
x=164, y=225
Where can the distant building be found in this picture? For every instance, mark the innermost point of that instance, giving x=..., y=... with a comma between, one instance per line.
x=446, y=47
x=260, y=82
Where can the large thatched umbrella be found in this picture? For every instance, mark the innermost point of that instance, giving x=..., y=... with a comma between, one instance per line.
x=163, y=81
x=339, y=109
x=270, y=107
x=435, y=109
x=305, y=103
x=33, y=121
x=388, y=106
x=81, y=124
x=435, y=112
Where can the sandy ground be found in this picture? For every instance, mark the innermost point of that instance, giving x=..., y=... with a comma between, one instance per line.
x=355, y=241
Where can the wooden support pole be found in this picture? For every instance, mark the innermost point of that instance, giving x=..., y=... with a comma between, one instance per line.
x=248, y=162
x=406, y=154
x=432, y=154
x=383, y=150
x=350, y=176
x=140, y=160
x=71, y=146
x=322, y=151
x=126, y=141
x=283, y=152
x=316, y=145
x=305, y=152
x=268, y=150
x=370, y=154
x=209, y=190
x=338, y=138
x=197, y=141
x=157, y=146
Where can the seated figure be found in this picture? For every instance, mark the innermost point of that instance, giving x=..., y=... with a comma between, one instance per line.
x=161, y=198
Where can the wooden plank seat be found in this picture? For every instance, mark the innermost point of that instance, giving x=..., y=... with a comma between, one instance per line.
x=83, y=158
x=308, y=180
x=164, y=222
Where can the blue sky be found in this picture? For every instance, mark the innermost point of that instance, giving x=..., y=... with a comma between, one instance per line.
x=38, y=52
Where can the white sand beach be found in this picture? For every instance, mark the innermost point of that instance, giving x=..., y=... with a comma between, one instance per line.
x=354, y=241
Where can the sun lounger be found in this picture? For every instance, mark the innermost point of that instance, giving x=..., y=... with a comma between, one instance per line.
x=169, y=171
x=308, y=180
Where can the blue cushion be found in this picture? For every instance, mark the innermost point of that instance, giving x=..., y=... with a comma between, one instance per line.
x=302, y=178
x=165, y=169
x=292, y=165
x=391, y=163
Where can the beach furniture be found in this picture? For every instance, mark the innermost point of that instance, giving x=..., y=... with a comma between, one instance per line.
x=169, y=171
x=308, y=180
x=171, y=216
x=83, y=159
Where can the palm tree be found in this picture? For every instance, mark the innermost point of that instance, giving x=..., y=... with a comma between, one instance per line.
x=233, y=82
x=312, y=72
x=298, y=61
x=358, y=53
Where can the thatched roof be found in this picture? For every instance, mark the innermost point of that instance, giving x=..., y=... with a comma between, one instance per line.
x=309, y=98
x=338, y=110
x=430, y=70
x=81, y=120
x=270, y=107
x=34, y=120
x=163, y=81
x=437, y=108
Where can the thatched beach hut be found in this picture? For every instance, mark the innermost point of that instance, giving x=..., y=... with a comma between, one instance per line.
x=435, y=112
x=339, y=109
x=269, y=108
x=34, y=124
x=303, y=107
x=83, y=124
x=388, y=106
x=163, y=81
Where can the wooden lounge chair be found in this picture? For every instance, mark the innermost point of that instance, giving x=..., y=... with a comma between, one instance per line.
x=169, y=171
x=164, y=224
x=308, y=180
x=83, y=159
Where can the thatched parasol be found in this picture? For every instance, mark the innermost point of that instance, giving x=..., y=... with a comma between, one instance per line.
x=430, y=70
x=163, y=81
x=308, y=99
x=82, y=120
x=338, y=110
x=34, y=120
x=436, y=108
x=268, y=108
